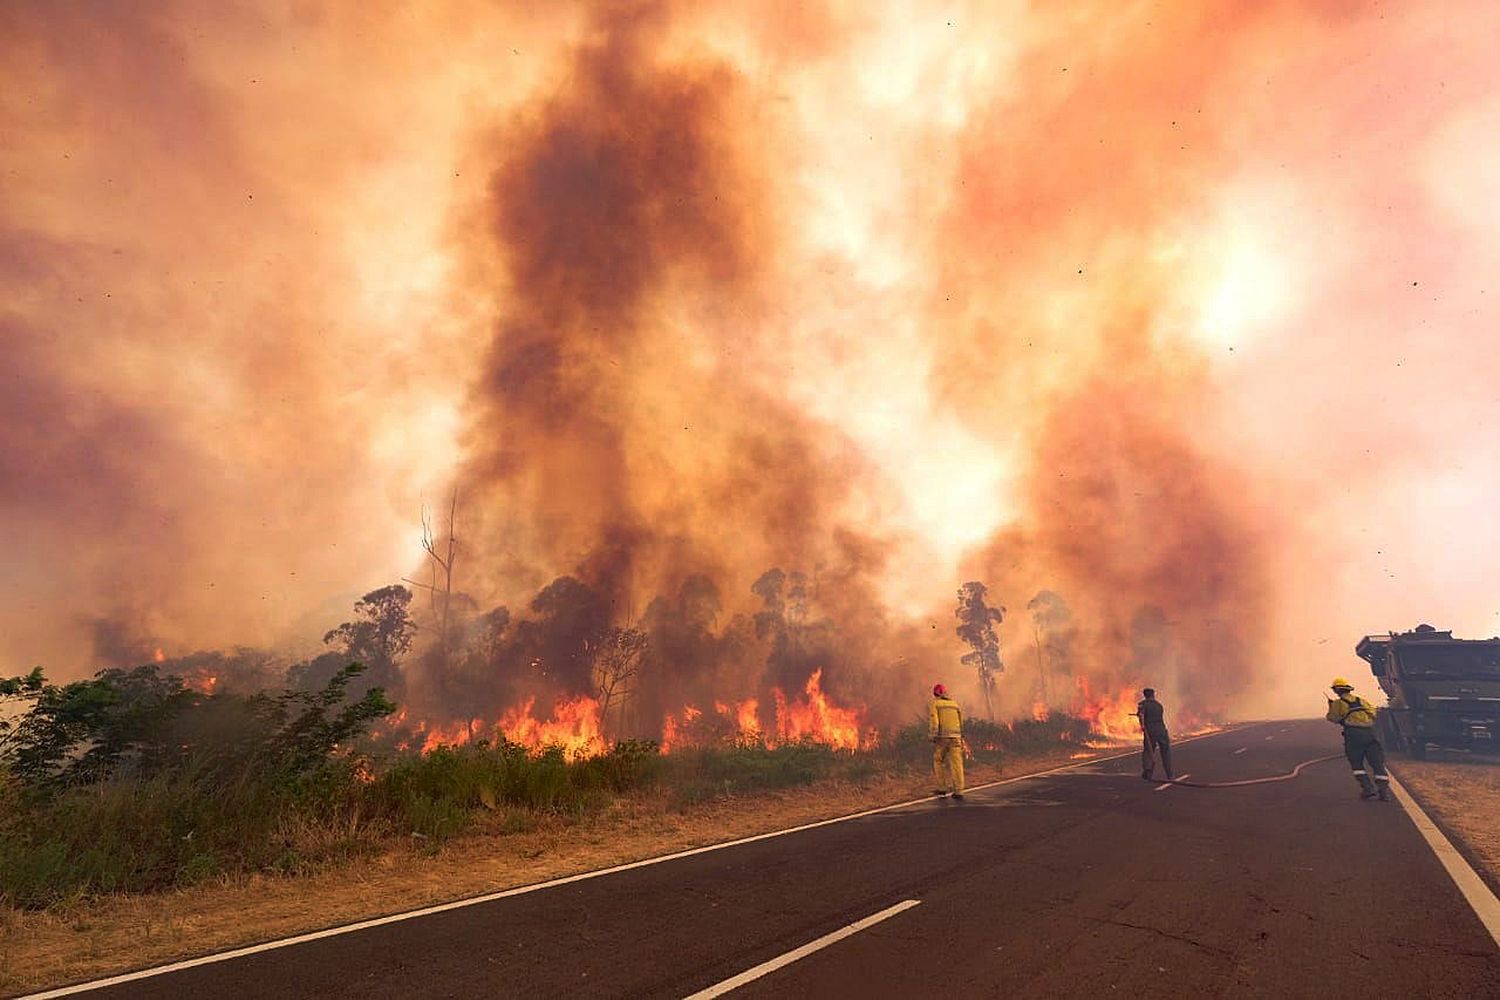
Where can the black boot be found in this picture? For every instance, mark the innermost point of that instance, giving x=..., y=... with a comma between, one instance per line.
x=1385, y=790
x=1366, y=786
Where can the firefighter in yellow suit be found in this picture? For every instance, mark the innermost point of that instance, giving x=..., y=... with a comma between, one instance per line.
x=945, y=727
x=1356, y=716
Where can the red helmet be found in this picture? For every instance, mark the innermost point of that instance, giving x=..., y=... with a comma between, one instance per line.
x=940, y=691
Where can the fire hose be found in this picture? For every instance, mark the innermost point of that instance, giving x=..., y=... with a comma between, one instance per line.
x=1288, y=776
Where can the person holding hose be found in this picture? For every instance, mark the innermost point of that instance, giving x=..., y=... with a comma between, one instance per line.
x=1356, y=716
x=945, y=727
x=1154, y=736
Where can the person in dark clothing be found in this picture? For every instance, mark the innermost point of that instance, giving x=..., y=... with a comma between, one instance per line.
x=1154, y=735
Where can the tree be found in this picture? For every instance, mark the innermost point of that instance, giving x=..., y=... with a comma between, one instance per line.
x=142, y=723
x=27, y=687
x=23, y=686
x=1053, y=629
x=617, y=661
x=976, y=627
x=90, y=730
x=770, y=620
x=380, y=634
x=441, y=557
x=571, y=620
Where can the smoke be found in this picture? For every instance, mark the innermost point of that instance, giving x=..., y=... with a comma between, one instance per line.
x=1180, y=315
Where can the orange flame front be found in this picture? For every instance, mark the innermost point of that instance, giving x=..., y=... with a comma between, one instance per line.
x=1110, y=716
x=812, y=717
x=574, y=726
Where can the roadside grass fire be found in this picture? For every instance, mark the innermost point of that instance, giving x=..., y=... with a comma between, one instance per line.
x=139, y=781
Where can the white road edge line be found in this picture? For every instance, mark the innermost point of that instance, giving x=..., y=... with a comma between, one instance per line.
x=1171, y=782
x=1481, y=900
x=458, y=904
x=749, y=975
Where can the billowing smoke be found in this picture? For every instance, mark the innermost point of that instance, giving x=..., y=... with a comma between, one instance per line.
x=745, y=336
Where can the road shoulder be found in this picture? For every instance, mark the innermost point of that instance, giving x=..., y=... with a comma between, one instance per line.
x=1462, y=796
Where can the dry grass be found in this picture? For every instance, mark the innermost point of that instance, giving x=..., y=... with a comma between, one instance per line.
x=1463, y=794
x=120, y=933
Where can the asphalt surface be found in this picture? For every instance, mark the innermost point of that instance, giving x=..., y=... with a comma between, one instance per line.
x=1086, y=883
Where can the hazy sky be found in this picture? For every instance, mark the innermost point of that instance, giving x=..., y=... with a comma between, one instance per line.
x=1186, y=305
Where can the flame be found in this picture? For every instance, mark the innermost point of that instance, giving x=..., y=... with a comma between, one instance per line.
x=159, y=656
x=200, y=681
x=814, y=718
x=749, y=718
x=395, y=725
x=452, y=735
x=1039, y=711
x=811, y=717
x=1110, y=716
x=672, y=736
x=574, y=726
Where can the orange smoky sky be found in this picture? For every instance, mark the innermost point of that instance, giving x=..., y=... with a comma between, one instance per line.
x=1183, y=312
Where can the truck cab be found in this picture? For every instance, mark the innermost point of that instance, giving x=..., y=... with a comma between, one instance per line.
x=1442, y=691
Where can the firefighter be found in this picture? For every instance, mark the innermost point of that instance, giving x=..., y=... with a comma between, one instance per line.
x=945, y=727
x=1154, y=735
x=1356, y=716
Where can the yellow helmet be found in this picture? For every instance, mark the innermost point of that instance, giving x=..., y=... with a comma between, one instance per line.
x=1339, y=682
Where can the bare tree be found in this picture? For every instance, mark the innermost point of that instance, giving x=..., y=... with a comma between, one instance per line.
x=441, y=555
x=617, y=659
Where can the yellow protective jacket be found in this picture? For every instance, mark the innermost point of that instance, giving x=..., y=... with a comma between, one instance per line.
x=944, y=718
x=1351, y=710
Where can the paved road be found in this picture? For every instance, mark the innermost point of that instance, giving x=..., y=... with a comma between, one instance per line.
x=1086, y=883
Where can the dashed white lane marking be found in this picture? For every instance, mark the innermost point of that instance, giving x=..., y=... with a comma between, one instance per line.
x=764, y=968
x=1180, y=777
x=521, y=890
x=1270, y=737
x=1483, y=902
x=1242, y=750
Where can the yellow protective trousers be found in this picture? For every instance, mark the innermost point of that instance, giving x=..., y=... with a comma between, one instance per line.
x=948, y=764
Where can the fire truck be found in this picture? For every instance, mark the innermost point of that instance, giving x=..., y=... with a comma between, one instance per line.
x=1442, y=691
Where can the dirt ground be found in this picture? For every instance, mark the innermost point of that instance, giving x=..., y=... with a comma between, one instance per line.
x=116, y=934
x=1462, y=793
